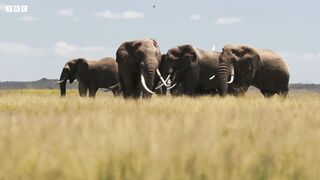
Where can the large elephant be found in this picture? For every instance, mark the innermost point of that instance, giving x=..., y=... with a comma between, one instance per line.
x=91, y=76
x=243, y=66
x=194, y=69
x=138, y=63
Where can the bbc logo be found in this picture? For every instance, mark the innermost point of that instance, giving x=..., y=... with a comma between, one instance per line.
x=16, y=8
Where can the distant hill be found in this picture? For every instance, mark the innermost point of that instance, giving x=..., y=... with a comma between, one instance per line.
x=305, y=87
x=40, y=84
x=50, y=84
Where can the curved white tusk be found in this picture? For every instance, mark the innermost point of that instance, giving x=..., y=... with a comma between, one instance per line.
x=168, y=78
x=232, y=74
x=212, y=77
x=172, y=86
x=158, y=87
x=59, y=82
x=143, y=82
x=106, y=90
x=111, y=87
x=161, y=78
x=231, y=80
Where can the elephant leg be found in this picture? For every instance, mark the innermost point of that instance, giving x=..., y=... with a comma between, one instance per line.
x=267, y=93
x=93, y=91
x=122, y=86
x=164, y=91
x=116, y=91
x=189, y=86
x=238, y=90
x=189, y=89
x=284, y=92
x=131, y=90
x=130, y=82
x=82, y=88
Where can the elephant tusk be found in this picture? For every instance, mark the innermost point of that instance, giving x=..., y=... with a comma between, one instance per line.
x=168, y=77
x=232, y=74
x=106, y=90
x=158, y=87
x=212, y=77
x=172, y=86
x=143, y=82
x=161, y=78
x=231, y=80
x=111, y=87
x=59, y=82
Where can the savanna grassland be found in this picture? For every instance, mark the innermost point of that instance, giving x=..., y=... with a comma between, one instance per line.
x=210, y=138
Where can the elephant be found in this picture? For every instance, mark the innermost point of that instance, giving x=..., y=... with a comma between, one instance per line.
x=194, y=69
x=164, y=69
x=243, y=66
x=91, y=76
x=138, y=63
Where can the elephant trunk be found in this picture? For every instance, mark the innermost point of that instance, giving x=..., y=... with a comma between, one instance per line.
x=223, y=74
x=63, y=88
x=63, y=82
x=147, y=79
x=175, y=79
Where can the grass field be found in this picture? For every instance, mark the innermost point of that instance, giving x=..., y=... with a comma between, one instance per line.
x=209, y=138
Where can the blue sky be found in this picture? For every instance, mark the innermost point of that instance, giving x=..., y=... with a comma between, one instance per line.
x=38, y=43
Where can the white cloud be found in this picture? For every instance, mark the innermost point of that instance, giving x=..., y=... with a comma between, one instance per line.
x=2, y=8
x=195, y=17
x=228, y=20
x=307, y=56
x=120, y=15
x=28, y=18
x=18, y=48
x=304, y=56
x=65, y=49
x=62, y=48
x=67, y=13
x=303, y=67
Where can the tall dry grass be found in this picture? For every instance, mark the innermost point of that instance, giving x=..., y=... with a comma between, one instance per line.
x=45, y=137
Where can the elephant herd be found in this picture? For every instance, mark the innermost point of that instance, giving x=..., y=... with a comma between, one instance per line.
x=141, y=70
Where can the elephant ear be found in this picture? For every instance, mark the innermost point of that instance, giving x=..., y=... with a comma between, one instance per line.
x=82, y=67
x=71, y=67
x=252, y=59
x=124, y=51
x=189, y=54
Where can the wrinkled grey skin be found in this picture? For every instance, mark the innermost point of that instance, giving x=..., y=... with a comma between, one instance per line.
x=91, y=75
x=261, y=68
x=135, y=58
x=192, y=69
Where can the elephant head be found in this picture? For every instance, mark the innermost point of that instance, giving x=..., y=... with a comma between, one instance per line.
x=72, y=70
x=179, y=60
x=141, y=58
x=238, y=65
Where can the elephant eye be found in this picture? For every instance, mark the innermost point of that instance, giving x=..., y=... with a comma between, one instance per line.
x=235, y=52
x=139, y=54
